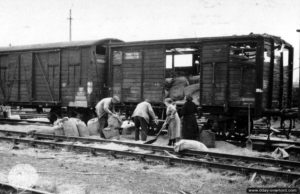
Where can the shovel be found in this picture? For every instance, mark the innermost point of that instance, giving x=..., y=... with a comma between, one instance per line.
x=154, y=140
x=249, y=144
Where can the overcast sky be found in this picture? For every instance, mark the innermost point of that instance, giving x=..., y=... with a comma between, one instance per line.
x=43, y=21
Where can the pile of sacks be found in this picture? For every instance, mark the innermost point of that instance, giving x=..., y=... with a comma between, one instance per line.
x=66, y=127
x=77, y=128
x=112, y=130
x=179, y=87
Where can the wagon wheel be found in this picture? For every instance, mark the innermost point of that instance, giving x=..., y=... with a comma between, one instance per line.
x=237, y=130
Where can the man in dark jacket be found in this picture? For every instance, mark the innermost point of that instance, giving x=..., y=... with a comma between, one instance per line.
x=141, y=116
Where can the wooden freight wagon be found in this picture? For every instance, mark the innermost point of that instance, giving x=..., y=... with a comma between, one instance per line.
x=68, y=74
x=229, y=72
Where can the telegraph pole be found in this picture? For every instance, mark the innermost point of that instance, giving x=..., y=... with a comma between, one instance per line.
x=298, y=30
x=70, y=26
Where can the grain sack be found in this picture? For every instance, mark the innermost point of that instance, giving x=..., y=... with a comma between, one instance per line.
x=189, y=145
x=82, y=129
x=196, y=97
x=280, y=153
x=114, y=122
x=177, y=92
x=180, y=81
x=194, y=79
x=128, y=127
x=111, y=133
x=93, y=126
x=59, y=122
x=189, y=90
x=43, y=129
x=70, y=128
x=58, y=130
x=168, y=83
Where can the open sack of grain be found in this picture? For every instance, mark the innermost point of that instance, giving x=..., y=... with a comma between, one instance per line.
x=127, y=127
x=114, y=125
x=93, y=126
x=176, y=88
x=179, y=87
x=71, y=127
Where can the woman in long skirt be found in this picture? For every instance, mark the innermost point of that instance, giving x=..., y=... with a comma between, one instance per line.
x=189, y=123
x=173, y=122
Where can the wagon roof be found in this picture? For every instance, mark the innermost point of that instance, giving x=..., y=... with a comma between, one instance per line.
x=201, y=39
x=58, y=45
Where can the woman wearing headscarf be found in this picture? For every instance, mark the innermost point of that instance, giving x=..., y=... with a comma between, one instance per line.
x=189, y=123
x=173, y=122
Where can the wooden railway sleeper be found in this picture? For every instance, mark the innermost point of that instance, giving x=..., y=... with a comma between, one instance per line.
x=113, y=154
x=32, y=144
x=52, y=146
x=168, y=161
x=15, y=141
x=70, y=147
x=93, y=152
x=142, y=158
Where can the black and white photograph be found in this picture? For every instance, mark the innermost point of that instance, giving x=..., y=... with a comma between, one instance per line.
x=149, y=96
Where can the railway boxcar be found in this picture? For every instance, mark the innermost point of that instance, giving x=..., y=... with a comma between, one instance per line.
x=223, y=74
x=69, y=74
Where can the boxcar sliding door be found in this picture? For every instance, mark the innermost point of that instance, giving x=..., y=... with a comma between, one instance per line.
x=46, y=76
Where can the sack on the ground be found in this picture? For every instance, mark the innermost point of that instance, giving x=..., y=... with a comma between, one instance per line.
x=114, y=122
x=59, y=122
x=42, y=129
x=82, y=129
x=280, y=153
x=93, y=126
x=185, y=144
x=70, y=128
x=58, y=130
x=128, y=127
x=110, y=133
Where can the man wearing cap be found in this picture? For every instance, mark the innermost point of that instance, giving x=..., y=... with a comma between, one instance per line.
x=104, y=108
x=141, y=116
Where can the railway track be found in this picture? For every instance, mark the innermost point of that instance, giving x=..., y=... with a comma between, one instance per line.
x=22, y=122
x=9, y=188
x=281, y=132
x=265, y=166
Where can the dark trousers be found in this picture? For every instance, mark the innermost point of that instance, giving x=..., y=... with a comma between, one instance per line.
x=140, y=122
x=103, y=123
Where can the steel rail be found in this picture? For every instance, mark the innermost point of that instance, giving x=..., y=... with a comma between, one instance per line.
x=168, y=159
x=19, y=189
x=160, y=148
x=275, y=141
x=281, y=132
x=22, y=121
